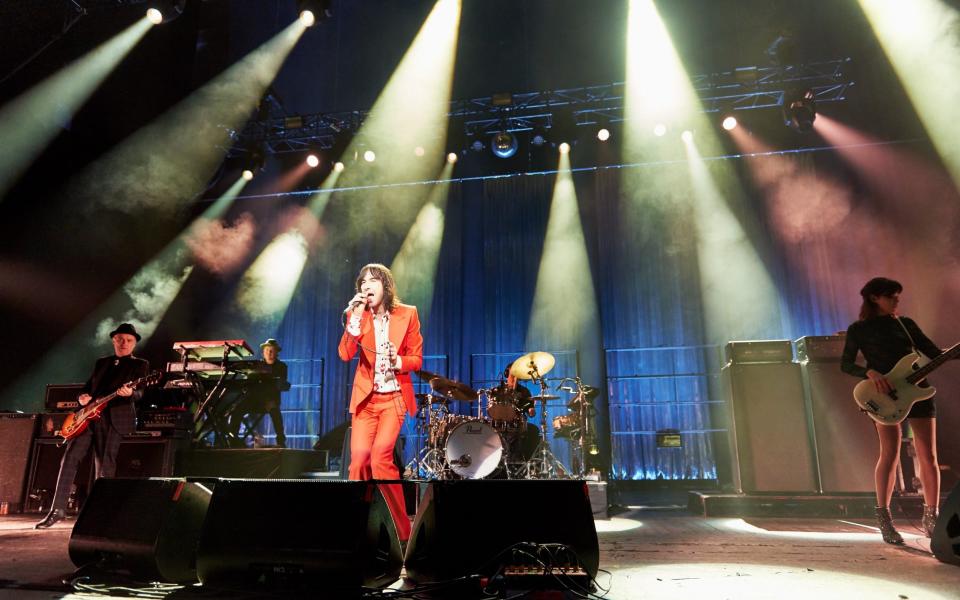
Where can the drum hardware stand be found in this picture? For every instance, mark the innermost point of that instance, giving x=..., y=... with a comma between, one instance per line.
x=586, y=436
x=543, y=464
x=426, y=462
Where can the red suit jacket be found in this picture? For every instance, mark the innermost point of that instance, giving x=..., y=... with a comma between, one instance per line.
x=405, y=335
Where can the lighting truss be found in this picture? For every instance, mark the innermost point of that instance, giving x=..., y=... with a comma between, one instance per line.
x=744, y=88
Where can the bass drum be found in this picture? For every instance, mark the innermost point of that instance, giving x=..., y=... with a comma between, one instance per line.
x=473, y=450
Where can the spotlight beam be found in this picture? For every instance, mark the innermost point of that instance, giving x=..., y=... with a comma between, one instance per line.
x=32, y=120
x=920, y=40
x=193, y=135
x=415, y=264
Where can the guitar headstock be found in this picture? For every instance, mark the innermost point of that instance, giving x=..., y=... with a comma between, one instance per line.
x=146, y=381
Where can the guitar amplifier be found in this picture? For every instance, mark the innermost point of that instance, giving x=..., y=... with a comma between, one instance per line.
x=51, y=422
x=820, y=348
x=760, y=351
x=59, y=397
x=169, y=422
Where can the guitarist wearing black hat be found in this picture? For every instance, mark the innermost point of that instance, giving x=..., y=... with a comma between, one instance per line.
x=110, y=374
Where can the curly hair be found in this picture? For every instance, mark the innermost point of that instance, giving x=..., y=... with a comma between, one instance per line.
x=382, y=273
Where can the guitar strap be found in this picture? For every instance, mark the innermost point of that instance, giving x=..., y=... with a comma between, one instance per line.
x=912, y=343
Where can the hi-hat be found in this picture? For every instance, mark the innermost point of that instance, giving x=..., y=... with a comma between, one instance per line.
x=453, y=389
x=532, y=364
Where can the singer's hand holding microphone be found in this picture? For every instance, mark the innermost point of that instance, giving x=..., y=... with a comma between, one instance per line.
x=357, y=305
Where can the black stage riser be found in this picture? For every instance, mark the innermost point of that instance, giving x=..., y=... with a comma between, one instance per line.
x=446, y=541
x=338, y=534
x=146, y=527
x=251, y=463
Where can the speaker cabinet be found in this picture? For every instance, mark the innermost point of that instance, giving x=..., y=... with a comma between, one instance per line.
x=44, y=469
x=16, y=435
x=146, y=527
x=844, y=438
x=445, y=543
x=770, y=442
x=296, y=533
x=147, y=457
x=945, y=542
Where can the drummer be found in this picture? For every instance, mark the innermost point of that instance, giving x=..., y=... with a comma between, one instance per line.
x=511, y=388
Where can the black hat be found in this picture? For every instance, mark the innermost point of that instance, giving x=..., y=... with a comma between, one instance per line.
x=271, y=342
x=125, y=328
x=880, y=286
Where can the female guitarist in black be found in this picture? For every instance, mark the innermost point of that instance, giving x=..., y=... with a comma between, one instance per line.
x=884, y=338
x=110, y=374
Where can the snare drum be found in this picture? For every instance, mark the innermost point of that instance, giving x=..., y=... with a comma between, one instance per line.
x=473, y=449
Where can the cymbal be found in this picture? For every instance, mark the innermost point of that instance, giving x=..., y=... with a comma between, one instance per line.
x=527, y=365
x=544, y=397
x=453, y=389
x=426, y=375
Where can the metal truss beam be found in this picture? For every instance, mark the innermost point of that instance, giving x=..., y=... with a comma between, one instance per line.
x=739, y=89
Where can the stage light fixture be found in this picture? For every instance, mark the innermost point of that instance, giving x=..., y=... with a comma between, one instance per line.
x=252, y=162
x=312, y=11
x=419, y=151
x=538, y=140
x=477, y=146
x=369, y=156
x=659, y=130
x=164, y=11
x=338, y=166
x=564, y=147
x=800, y=110
x=603, y=135
x=452, y=157
x=504, y=144
x=687, y=136
x=730, y=123
x=313, y=160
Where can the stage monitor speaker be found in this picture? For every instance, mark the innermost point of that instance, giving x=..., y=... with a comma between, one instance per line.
x=44, y=470
x=145, y=527
x=945, y=542
x=250, y=463
x=845, y=438
x=16, y=436
x=295, y=533
x=442, y=546
x=771, y=449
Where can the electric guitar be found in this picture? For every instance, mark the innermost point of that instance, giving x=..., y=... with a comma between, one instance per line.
x=892, y=407
x=78, y=422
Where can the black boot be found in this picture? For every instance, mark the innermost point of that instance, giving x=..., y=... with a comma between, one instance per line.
x=887, y=530
x=53, y=517
x=929, y=519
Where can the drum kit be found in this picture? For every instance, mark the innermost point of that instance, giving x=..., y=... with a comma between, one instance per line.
x=496, y=441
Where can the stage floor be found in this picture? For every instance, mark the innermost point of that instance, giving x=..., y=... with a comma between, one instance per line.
x=650, y=552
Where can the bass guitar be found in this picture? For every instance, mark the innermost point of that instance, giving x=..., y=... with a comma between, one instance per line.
x=892, y=407
x=78, y=422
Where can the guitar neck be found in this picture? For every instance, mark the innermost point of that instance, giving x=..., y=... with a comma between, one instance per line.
x=933, y=364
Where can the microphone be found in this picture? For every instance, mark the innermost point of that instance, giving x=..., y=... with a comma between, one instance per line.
x=355, y=303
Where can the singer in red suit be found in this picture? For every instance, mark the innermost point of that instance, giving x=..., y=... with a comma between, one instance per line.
x=387, y=334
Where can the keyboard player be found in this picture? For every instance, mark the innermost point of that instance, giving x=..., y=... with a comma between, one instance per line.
x=266, y=380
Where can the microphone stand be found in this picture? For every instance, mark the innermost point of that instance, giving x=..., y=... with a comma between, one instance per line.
x=543, y=464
